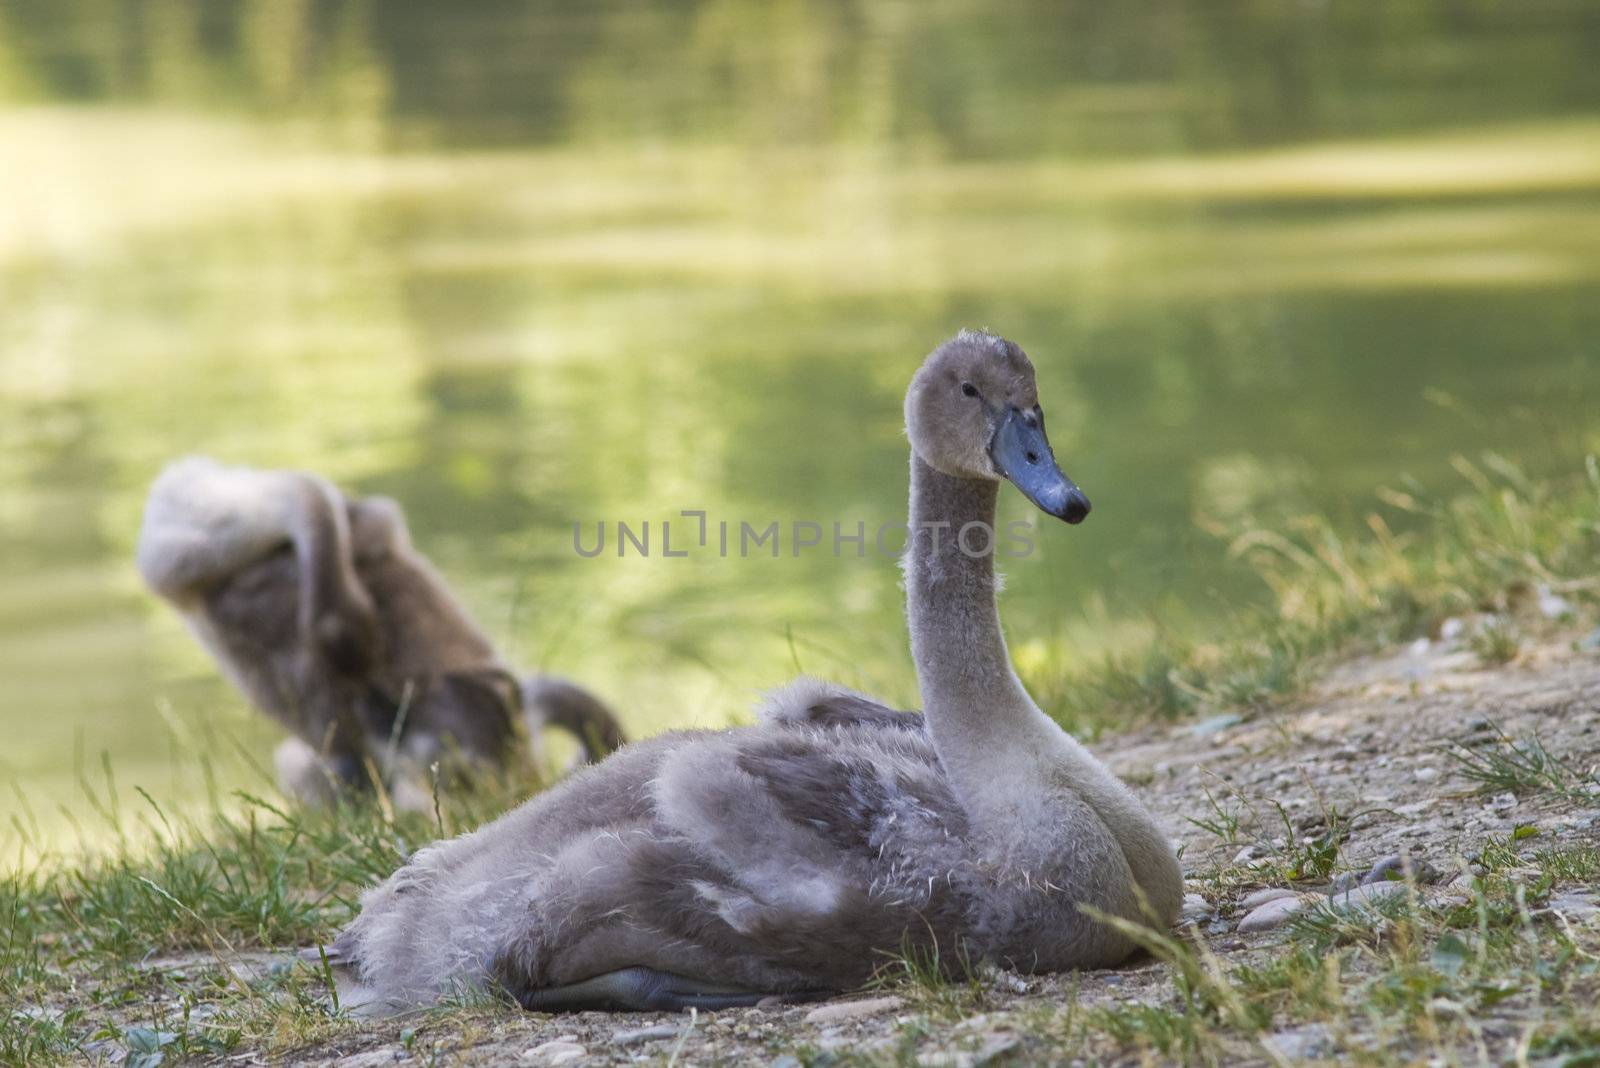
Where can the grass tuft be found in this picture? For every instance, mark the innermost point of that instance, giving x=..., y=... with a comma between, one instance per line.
x=1521, y=767
x=943, y=985
x=1497, y=641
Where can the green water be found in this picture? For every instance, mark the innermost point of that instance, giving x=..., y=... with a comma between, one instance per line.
x=521, y=265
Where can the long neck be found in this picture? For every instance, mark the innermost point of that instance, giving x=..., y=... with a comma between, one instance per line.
x=983, y=723
x=1003, y=754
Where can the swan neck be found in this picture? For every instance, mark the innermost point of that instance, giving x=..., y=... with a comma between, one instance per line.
x=986, y=728
x=957, y=644
x=1004, y=757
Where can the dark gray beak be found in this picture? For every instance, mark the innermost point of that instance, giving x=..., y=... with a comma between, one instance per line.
x=1021, y=453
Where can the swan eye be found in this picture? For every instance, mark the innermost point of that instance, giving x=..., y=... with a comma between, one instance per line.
x=969, y=389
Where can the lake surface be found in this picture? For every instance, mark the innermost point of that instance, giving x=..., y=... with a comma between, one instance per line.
x=521, y=266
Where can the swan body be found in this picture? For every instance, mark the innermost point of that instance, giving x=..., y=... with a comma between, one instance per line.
x=797, y=855
x=318, y=607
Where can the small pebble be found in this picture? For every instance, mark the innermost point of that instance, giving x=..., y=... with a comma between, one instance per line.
x=1344, y=881
x=1451, y=629
x=1195, y=908
x=840, y=1011
x=556, y=1051
x=1368, y=893
x=1425, y=774
x=1576, y=906
x=1258, y=898
x=1301, y=1043
x=1273, y=914
x=1246, y=855
x=1011, y=981
x=1552, y=605
x=645, y=1034
x=1417, y=870
x=991, y=1049
x=1215, y=725
x=377, y=1058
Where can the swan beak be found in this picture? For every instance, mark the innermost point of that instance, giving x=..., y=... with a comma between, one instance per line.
x=1021, y=453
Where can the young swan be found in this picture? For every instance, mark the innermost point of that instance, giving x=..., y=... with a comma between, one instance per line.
x=711, y=869
x=319, y=609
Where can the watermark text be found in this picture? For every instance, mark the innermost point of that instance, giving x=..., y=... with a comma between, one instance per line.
x=693, y=532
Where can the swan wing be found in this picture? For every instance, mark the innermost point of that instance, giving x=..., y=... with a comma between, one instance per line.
x=811, y=702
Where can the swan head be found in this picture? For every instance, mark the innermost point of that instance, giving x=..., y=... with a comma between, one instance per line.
x=973, y=412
